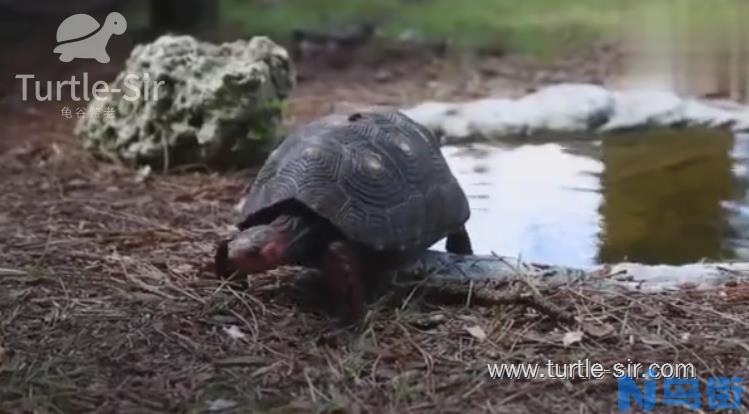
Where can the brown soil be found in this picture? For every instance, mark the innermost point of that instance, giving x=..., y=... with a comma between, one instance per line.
x=108, y=302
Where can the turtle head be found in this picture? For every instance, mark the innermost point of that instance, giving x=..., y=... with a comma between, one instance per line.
x=255, y=249
x=263, y=247
x=115, y=23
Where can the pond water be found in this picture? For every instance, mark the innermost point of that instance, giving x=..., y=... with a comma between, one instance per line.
x=673, y=196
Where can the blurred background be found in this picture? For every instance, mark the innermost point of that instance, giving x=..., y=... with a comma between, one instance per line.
x=693, y=46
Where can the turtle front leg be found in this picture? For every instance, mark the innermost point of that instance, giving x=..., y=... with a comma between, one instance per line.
x=221, y=260
x=459, y=242
x=342, y=269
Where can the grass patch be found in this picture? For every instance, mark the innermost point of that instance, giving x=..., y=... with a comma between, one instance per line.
x=531, y=27
x=528, y=26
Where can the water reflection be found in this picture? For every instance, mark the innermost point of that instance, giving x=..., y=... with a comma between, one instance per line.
x=663, y=197
x=654, y=197
x=536, y=201
x=657, y=197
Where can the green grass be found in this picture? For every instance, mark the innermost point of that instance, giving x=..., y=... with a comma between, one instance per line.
x=525, y=26
x=534, y=27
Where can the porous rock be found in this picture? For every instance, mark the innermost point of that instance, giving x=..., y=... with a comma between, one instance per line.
x=217, y=105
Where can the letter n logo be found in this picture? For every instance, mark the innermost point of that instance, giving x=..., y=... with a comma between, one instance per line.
x=628, y=391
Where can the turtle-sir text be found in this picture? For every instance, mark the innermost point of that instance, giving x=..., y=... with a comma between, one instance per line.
x=135, y=87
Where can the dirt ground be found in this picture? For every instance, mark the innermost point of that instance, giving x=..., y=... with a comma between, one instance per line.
x=108, y=301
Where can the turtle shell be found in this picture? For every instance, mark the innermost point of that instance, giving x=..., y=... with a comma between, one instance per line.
x=76, y=26
x=379, y=177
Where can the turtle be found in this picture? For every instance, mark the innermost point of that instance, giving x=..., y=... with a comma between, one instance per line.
x=81, y=36
x=356, y=195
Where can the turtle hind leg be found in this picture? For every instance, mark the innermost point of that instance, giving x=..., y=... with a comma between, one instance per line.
x=343, y=271
x=459, y=242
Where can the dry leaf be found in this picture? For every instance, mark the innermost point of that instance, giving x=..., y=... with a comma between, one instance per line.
x=234, y=332
x=599, y=331
x=183, y=269
x=240, y=205
x=12, y=272
x=429, y=321
x=653, y=340
x=221, y=404
x=476, y=332
x=143, y=174
x=570, y=338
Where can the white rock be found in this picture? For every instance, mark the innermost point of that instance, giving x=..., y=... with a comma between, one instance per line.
x=431, y=114
x=565, y=109
x=218, y=105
